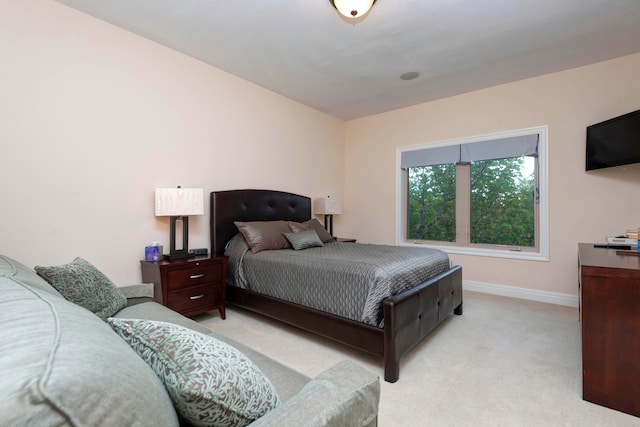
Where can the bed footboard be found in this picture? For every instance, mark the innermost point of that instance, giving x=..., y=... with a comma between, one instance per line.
x=411, y=315
x=364, y=337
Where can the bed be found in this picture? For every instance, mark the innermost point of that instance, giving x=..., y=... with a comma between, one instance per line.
x=407, y=317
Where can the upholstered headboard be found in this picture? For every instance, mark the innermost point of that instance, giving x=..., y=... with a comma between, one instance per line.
x=252, y=205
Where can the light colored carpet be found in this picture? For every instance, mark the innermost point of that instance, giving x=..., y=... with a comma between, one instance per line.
x=504, y=362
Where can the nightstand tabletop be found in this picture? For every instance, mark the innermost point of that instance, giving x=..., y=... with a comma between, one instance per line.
x=345, y=239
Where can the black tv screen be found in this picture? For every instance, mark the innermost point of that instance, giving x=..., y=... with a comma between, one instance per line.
x=614, y=142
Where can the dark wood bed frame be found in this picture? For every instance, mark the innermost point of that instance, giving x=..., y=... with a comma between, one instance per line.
x=408, y=317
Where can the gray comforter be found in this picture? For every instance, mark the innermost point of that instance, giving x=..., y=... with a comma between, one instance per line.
x=345, y=279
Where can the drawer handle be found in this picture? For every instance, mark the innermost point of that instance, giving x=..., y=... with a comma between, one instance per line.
x=197, y=296
x=196, y=276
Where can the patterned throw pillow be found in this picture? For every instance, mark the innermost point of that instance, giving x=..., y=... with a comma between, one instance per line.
x=304, y=239
x=83, y=284
x=210, y=382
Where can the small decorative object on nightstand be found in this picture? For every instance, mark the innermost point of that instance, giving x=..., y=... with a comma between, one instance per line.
x=190, y=286
x=345, y=240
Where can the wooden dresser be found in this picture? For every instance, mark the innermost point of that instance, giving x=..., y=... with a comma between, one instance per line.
x=610, y=315
x=190, y=286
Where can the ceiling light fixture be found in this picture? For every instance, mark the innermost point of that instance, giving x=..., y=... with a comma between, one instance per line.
x=352, y=8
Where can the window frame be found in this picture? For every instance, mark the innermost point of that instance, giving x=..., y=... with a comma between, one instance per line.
x=542, y=220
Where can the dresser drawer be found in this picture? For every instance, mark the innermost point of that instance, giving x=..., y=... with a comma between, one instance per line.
x=197, y=273
x=195, y=298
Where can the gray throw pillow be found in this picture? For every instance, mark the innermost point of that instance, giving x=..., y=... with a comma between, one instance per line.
x=210, y=382
x=83, y=284
x=304, y=239
x=312, y=224
x=264, y=235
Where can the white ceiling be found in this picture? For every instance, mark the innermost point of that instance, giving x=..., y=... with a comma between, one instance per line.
x=304, y=50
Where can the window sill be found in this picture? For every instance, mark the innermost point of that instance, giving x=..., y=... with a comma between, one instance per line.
x=493, y=253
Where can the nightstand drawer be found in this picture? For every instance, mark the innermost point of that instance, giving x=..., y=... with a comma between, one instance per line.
x=189, y=286
x=194, y=298
x=193, y=275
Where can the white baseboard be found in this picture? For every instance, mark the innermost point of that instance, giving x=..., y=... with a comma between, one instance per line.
x=522, y=293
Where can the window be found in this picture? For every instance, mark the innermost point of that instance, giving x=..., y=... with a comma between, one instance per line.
x=481, y=195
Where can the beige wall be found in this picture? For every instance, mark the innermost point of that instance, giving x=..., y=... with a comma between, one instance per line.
x=94, y=118
x=584, y=207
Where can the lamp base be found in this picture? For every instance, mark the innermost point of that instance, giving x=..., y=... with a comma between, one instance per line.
x=328, y=223
x=178, y=255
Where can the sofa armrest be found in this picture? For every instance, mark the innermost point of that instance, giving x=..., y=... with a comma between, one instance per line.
x=343, y=395
x=136, y=294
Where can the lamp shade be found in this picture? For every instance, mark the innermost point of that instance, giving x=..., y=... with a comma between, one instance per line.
x=327, y=206
x=353, y=8
x=179, y=201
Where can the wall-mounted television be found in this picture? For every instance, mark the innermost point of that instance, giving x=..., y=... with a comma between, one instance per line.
x=614, y=142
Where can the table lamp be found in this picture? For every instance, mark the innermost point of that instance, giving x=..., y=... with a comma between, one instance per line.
x=179, y=203
x=327, y=206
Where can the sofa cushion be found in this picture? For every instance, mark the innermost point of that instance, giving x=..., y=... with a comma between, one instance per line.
x=153, y=311
x=83, y=284
x=18, y=272
x=210, y=382
x=62, y=365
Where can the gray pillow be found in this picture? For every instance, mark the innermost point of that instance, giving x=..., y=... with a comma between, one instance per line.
x=304, y=239
x=83, y=284
x=210, y=382
x=264, y=235
x=312, y=224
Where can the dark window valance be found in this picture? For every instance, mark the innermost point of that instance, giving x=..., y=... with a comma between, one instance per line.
x=495, y=149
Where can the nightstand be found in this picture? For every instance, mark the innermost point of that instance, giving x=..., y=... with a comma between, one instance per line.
x=345, y=240
x=190, y=286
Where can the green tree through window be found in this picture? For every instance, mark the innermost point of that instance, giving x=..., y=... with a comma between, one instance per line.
x=502, y=203
x=432, y=203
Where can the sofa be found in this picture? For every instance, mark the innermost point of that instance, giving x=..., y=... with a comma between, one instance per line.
x=63, y=364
